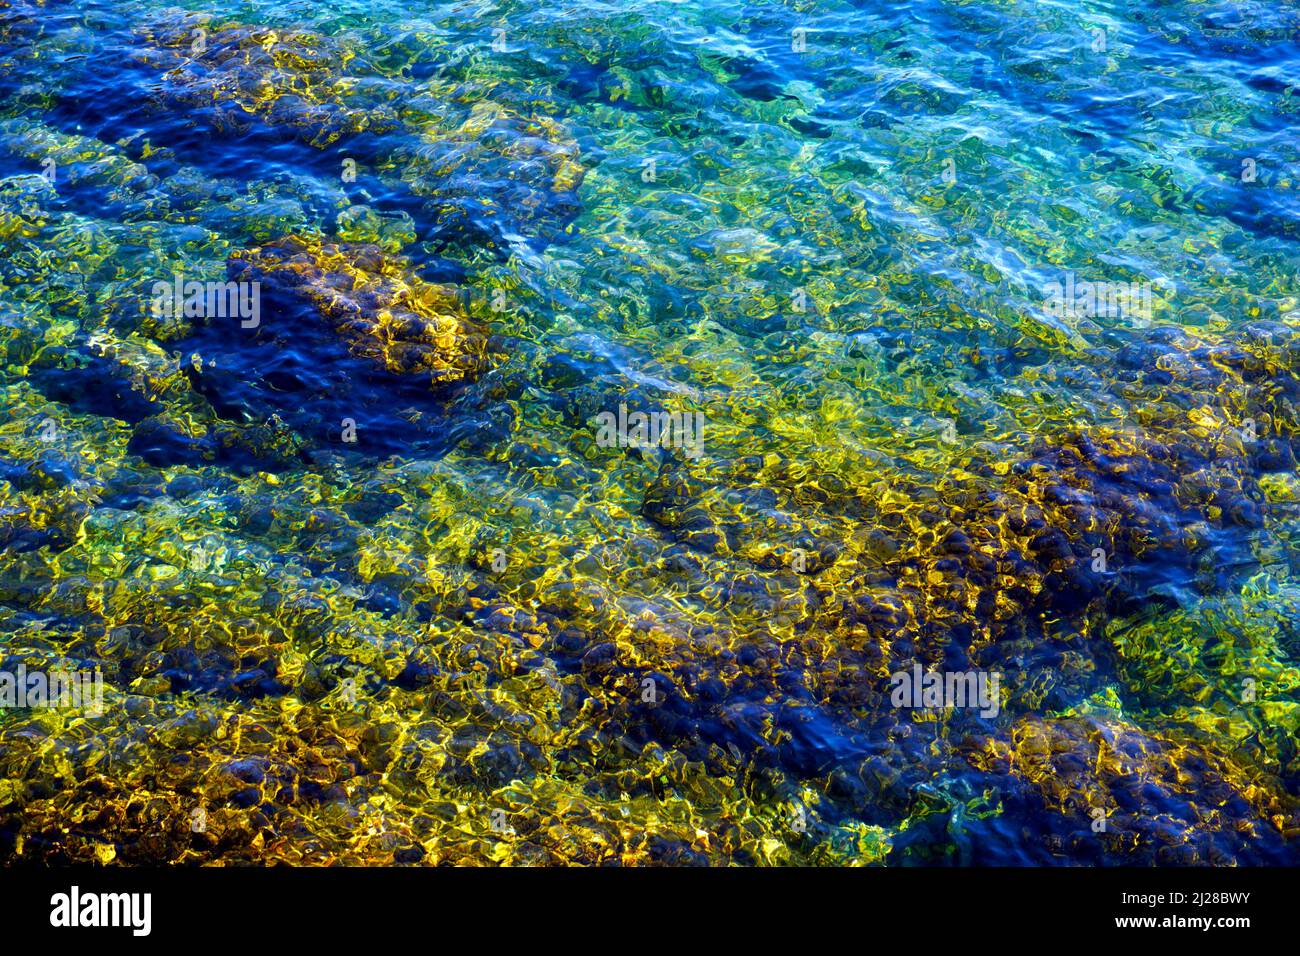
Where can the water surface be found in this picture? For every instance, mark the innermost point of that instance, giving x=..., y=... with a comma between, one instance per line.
x=366, y=585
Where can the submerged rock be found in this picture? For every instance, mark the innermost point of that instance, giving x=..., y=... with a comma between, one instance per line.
x=1101, y=789
x=497, y=177
x=384, y=312
x=295, y=80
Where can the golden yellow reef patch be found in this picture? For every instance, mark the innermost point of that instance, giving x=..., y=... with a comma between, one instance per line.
x=386, y=313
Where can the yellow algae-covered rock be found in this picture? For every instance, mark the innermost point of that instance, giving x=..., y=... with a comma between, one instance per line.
x=22, y=212
x=492, y=129
x=229, y=73
x=1145, y=796
x=498, y=176
x=69, y=159
x=384, y=312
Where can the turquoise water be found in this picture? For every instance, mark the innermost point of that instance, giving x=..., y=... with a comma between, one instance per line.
x=367, y=583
